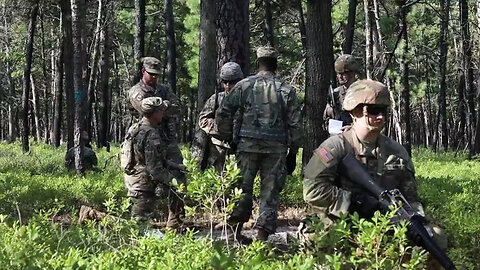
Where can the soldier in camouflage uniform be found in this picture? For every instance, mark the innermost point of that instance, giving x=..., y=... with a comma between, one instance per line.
x=150, y=178
x=148, y=87
x=269, y=124
x=230, y=74
x=347, y=69
x=89, y=157
x=330, y=194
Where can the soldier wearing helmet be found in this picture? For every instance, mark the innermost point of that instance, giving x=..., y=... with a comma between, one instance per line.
x=347, y=68
x=267, y=127
x=214, y=150
x=331, y=194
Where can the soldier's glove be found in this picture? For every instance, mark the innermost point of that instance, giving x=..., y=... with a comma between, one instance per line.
x=365, y=205
x=291, y=162
x=161, y=190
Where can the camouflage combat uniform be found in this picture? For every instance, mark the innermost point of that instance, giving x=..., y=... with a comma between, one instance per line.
x=167, y=128
x=218, y=147
x=265, y=131
x=336, y=112
x=150, y=179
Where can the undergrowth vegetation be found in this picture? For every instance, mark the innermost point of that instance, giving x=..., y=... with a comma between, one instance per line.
x=40, y=200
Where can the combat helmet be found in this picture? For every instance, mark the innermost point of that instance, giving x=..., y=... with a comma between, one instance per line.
x=231, y=71
x=346, y=63
x=366, y=92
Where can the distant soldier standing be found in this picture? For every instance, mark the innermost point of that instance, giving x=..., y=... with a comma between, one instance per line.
x=347, y=69
x=269, y=123
x=146, y=174
x=230, y=74
x=148, y=87
x=90, y=160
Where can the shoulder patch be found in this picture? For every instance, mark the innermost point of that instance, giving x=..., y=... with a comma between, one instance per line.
x=324, y=154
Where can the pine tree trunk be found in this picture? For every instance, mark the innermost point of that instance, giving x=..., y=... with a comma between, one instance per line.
x=68, y=68
x=139, y=41
x=350, y=27
x=46, y=84
x=35, y=109
x=301, y=24
x=442, y=101
x=268, y=24
x=58, y=108
x=171, y=46
x=405, y=114
x=319, y=67
x=207, y=78
x=79, y=75
x=26, y=76
x=233, y=33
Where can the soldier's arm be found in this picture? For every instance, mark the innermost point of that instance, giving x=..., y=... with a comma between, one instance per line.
x=294, y=120
x=206, y=118
x=165, y=93
x=320, y=173
x=155, y=160
x=226, y=110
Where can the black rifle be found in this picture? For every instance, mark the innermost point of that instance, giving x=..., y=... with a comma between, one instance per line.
x=351, y=168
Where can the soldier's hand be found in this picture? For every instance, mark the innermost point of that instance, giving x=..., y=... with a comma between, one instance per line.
x=291, y=162
x=364, y=204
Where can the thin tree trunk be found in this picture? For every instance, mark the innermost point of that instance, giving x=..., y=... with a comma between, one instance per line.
x=319, y=66
x=369, y=42
x=139, y=41
x=350, y=27
x=405, y=114
x=58, y=108
x=171, y=46
x=442, y=102
x=79, y=75
x=268, y=23
x=46, y=85
x=477, y=130
x=26, y=75
x=207, y=78
x=35, y=109
x=68, y=68
x=301, y=24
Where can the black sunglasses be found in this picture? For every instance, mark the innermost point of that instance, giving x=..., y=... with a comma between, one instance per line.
x=377, y=109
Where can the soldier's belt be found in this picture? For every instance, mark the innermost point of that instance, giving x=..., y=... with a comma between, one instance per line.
x=268, y=134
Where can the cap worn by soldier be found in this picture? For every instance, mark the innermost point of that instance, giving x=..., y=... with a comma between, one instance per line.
x=366, y=92
x=231, y=71
x=267, y=52
x=346, y=63
x=151, y=104
x=151, y=65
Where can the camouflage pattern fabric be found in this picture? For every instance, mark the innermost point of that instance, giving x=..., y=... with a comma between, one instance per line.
x=328, y=194
x=89, y=159
x=259, y=112
x=150, y=171
x=217, y=147
x=257, y=95
x=167, y=127
x=271, y=167
x=336, y=112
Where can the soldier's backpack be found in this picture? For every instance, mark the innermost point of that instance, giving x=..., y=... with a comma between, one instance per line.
x=127, y=159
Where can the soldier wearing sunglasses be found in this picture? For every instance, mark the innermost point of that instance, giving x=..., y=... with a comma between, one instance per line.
x=331, y=194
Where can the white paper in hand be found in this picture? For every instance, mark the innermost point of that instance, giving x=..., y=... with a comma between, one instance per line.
x=334, y=126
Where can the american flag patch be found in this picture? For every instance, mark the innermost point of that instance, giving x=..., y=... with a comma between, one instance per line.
x=324, y=154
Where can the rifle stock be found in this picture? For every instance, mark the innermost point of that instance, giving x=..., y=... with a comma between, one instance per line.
x=351, y=168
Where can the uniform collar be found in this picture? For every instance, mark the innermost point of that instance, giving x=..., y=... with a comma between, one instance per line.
x=265, y=73
x=146, y=87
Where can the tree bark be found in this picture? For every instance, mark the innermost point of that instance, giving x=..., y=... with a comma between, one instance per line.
x=268, y=24
x=79, y=75
x=233, y=33
x=442, y=101
x=207, y=78
x=104, y=93
x=301, y=24
x=319, y=72
x=68, y=68
x=139, y=41
x=35, y=109
x=405, y=114
x=58, y=108
x=26, y=75
x=171, y=46
x=350, y=27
